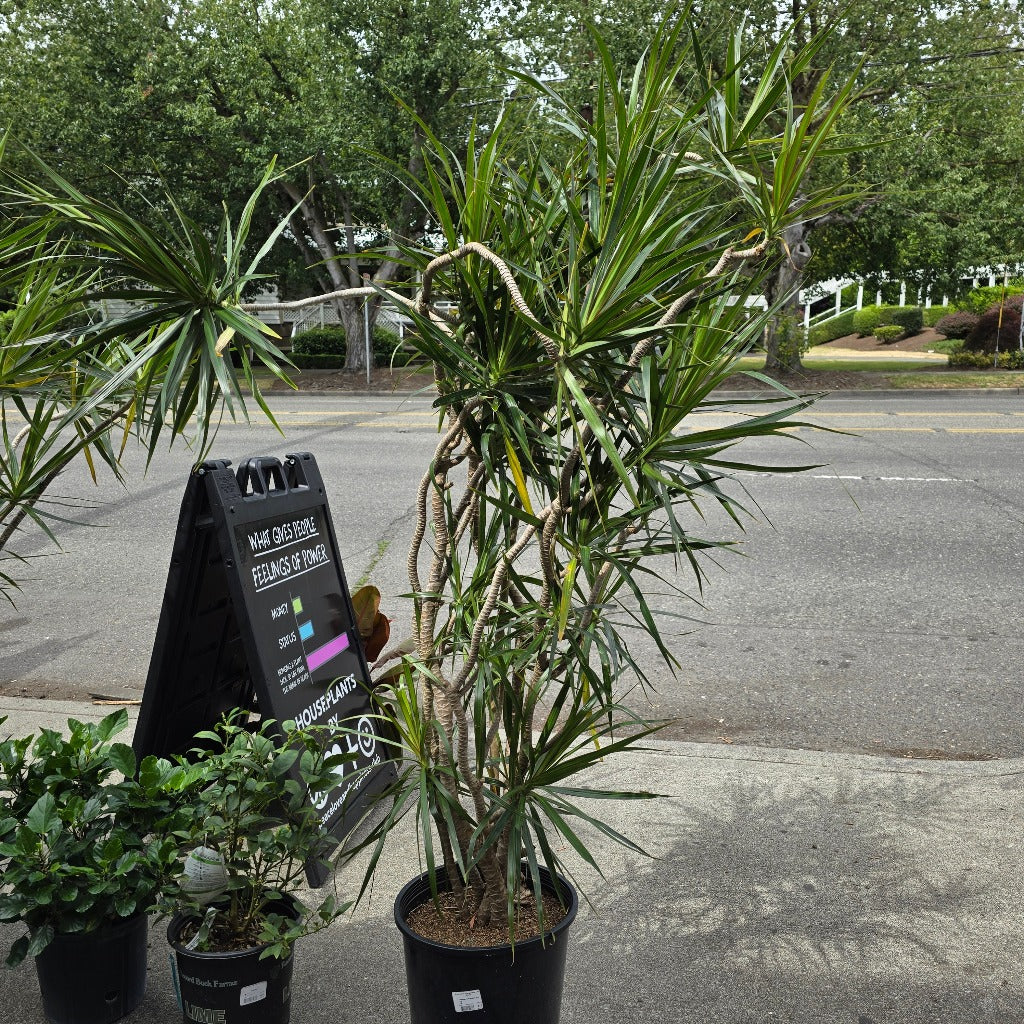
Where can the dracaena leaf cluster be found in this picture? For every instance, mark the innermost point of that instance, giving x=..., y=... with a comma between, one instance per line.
x=78, y=377
x=604, y=288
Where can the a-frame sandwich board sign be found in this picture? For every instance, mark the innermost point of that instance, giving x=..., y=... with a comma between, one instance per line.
x=257, y=615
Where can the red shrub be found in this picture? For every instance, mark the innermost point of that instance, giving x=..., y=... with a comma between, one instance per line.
x=958, y=324
x=983, y=337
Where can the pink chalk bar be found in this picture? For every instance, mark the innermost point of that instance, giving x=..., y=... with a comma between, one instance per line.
x=331, y=649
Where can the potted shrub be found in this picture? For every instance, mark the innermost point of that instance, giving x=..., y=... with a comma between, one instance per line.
x=242, y=860
x=600, y=284
x=83, y=863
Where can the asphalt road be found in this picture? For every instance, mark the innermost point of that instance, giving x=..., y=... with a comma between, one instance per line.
x=876, y=606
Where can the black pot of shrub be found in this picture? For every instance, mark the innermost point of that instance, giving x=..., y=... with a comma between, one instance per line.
x=78, y=865
x=97, y=976
x=242, y=859
x=498, y=984
x=237, y=987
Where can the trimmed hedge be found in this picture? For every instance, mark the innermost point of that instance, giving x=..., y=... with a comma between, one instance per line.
x=388, y=349
x=837, y=327
x=978, y=300
x=964, y=360
x=328, y=343
x=317, y=362
x=867, y=319
x=888, y=333
x=910, y=318
x=933, y=314
x=320, y=341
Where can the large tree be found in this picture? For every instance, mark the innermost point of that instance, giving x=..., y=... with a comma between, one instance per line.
x=205, y=94
x=940, y=87
x=953, y=185
x=939, y=107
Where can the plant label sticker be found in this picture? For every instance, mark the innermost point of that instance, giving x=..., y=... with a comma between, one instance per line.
x=465, y=1002
x=252, y=993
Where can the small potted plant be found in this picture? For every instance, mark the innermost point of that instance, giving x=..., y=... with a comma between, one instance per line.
x=84, y=855
x=601, y=288
x=242, y=861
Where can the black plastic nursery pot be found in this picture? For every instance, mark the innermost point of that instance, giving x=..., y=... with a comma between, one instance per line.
x=230, y=988
x=489, y=984
x=94, y=977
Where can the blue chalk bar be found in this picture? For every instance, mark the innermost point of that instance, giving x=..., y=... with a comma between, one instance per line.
x=306, y=630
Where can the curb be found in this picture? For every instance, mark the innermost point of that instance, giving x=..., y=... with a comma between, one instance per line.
x=958, y=394
x=729, y=394
x=860, y=394
x=30, y=714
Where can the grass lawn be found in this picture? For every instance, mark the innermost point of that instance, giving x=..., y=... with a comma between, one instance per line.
x=869, y=365
x=908, y=373
x=865, y=365
x=959, y=379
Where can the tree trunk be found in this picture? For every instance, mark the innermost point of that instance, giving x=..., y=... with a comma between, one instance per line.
x=784, y=334
x=353, y=319
x=340, y=254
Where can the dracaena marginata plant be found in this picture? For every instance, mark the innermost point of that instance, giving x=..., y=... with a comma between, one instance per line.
x=601, y=285
x=76, y=380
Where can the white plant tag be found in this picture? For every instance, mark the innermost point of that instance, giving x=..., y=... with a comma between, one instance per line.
x=252, y=993
x=205, y=875
x=468, y=1001
x=174, y=979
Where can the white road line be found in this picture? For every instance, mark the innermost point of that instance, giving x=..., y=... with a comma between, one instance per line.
x=394, y=423
x=874, y=479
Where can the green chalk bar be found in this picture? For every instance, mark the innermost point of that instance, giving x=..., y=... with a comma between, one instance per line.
x=297, y=605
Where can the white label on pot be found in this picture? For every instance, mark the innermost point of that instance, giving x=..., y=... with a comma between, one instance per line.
x=467, y=1001
x=253, y=993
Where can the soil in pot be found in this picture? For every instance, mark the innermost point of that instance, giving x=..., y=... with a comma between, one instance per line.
x=94, y=977
x=500, y=984
x=440, y=922
x=230, y=988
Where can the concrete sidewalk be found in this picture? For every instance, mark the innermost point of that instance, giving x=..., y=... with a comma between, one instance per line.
x=784, y=886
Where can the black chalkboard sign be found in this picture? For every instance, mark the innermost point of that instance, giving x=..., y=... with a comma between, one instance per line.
x=257, y=615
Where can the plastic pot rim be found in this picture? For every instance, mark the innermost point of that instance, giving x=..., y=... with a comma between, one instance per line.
x=178, y=921
x=552, y=935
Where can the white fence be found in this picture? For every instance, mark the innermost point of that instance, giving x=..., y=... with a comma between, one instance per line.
x=325, y=314
x=821, y=302
x=829, y=294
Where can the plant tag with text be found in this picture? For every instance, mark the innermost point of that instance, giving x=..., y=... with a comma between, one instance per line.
x=252, y=993
x=468, y=1001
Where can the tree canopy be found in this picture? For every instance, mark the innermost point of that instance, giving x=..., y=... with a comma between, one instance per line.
x=126, y=95
x=935, y=136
